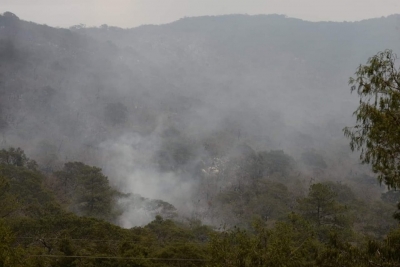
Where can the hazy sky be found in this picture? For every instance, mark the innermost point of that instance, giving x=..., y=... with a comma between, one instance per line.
x=131, y=13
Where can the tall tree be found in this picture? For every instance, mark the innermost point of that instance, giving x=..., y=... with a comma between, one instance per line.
x=321, y=207
x=87, y=190
x=377, y=131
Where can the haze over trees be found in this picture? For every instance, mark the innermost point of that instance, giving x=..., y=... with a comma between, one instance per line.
x=210, y=141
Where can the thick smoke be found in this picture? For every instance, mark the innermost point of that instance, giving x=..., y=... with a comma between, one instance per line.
x=161, y=109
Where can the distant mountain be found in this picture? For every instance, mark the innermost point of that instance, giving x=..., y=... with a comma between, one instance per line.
x=154, y=102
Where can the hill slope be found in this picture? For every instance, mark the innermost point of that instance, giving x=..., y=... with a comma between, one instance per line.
x=154, y=105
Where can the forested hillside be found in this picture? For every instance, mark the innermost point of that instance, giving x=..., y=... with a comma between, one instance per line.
x=68, y=218
x=210, y=141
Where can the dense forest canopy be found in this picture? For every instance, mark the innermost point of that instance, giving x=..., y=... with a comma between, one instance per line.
x=209, y=141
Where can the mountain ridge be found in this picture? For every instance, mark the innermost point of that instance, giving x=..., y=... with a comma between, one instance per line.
x=151, y=106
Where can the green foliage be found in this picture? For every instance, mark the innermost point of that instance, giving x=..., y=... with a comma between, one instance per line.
x=376, y=133
x=16, y=157
x=386, y=252
x=268, y=200
x=339, y=253
x=88, y=190
x=25, y=192
x=167, y=230
x=37, y=231
x=70, y=235
x=42, y=227
x=246, y=166
x=287, y=244
x=9, y=255
x=8, y=201
x=321, y=208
